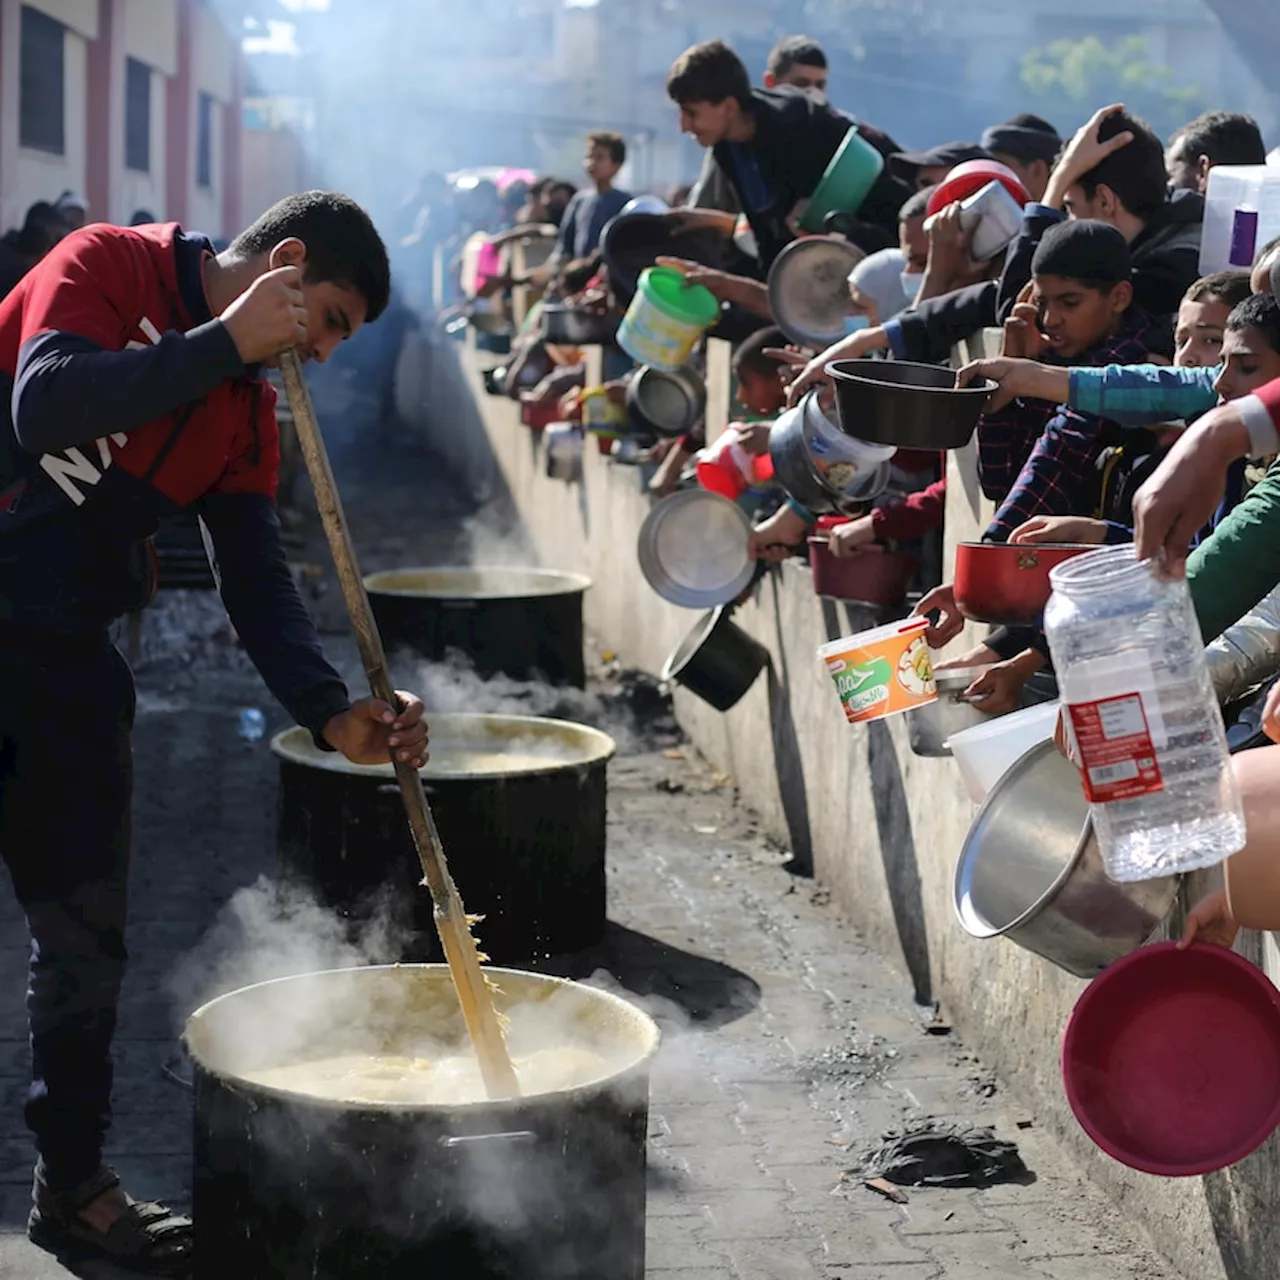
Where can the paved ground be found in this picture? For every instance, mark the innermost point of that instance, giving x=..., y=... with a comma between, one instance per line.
x=790, y=1047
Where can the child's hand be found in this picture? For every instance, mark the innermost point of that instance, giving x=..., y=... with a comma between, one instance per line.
x=1022, y=337
x=1079, y=529
x=1017, y=378
x=950, y=620
x=998, y=690
x=754, y=437
x=856, y=537
x=1083, y=153
x=1210, y=920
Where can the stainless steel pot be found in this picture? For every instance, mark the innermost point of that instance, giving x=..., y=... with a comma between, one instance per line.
x=823, y=469
x=574, y=327
x=809, y=289
x=669, y=403
x=563, y=443
x=929, y=727
x=1030, y=871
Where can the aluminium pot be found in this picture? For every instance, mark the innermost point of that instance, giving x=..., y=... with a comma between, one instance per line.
x=520, y=803
x=1030, y=871
x=717, y=660
x=668, y=403
x=563, y=442
x=912, y=406
x=930, y=727
x=522, y=623
x=550, y=1186
x=577, y=327
x=809, y=289
x=1007, y=583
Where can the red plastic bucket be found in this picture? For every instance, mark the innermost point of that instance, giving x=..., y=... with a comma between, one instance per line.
x=1171, y=1060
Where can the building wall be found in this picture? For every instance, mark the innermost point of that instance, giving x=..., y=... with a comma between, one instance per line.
x=188, y=52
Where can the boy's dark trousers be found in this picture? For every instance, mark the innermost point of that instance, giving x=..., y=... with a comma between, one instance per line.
x=66, y=711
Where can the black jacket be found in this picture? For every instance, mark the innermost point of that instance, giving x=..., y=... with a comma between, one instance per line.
x=1166, y=261
x=793, y=144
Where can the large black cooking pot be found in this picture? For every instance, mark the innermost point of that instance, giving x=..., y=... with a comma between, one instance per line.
x=520, y=803
x=913, y=406
x=291, y=1187
x=717, y=660
x=523, y=623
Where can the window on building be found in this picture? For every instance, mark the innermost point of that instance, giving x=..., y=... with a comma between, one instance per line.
x=41, y=106
x=204, y=141
x=137, y=115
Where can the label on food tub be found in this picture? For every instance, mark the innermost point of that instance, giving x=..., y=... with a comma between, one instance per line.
x=1117, y=755
x=881, y=672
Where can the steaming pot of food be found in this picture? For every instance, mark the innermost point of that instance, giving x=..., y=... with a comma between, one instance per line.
x=342, y=1132
x=520, y=803
x=521, y=623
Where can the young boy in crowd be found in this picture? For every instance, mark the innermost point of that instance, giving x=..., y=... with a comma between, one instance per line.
x=593, y=207
x=1037, y=458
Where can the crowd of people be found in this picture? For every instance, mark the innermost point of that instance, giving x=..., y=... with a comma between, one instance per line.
x=1121, y=366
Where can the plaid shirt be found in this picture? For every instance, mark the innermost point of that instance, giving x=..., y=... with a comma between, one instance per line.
x=1037, y=459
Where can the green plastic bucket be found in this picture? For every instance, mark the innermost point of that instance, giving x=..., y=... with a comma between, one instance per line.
x=666, y=319
x=844, y=186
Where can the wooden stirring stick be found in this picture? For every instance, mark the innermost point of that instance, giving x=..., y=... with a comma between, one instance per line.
x=451, y=919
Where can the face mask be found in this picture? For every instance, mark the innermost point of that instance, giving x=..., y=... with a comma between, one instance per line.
x=911, y=282
x=855, y=324
x=815, y=95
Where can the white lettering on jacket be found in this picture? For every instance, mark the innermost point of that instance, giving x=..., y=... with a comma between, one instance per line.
x=71, y=466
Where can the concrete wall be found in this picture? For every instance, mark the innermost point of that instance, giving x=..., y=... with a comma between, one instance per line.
x=880, y=826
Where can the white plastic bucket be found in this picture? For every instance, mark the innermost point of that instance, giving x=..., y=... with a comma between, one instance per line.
x=985, y=752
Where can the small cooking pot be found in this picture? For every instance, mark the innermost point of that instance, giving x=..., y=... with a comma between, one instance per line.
x=564, y=451
x=717, y=660
x=668, y=403
x=576, y=327
x=1007, y=583
x=929, y=727
x=874, y=577
x=912, y=406
x=1030, y=871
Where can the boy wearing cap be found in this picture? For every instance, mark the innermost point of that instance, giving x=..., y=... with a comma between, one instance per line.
x=1035, y=458
x=927, y=168
x=1028, y=145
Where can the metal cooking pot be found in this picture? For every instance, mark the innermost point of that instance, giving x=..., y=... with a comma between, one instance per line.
x=669, y=403
x=929, y=727
x=515, y=622
x=809, y=289
x=717, y=660
x=633, y=242
x=1007, y=583
x=520, y=802
x=575, y=327
x=823, y=469
x=1030, y=871
x=911, y=406
x=563, y=441
x=549, y=1186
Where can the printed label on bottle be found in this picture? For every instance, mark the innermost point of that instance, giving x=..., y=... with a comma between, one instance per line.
x=1117, y=756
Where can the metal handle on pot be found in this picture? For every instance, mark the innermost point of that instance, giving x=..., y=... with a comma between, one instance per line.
x=468, y=1139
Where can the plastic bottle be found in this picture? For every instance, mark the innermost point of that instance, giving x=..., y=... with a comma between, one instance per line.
x=252, y=724
x=1147, y=730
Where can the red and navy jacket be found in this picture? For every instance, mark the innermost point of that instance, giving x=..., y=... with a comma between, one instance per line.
x=125, y=400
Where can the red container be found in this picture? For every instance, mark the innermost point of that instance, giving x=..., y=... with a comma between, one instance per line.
x=873, y=576
x=1171, y=1060
x=1007, y=583
x=537, y=417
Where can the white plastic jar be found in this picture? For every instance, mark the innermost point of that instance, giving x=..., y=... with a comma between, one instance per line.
x=1147, y=730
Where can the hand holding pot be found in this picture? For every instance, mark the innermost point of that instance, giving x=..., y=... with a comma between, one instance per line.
x=1017, y=379
x=855, y=537
x=854, y=347
x=1210, y=920
x=369, y=731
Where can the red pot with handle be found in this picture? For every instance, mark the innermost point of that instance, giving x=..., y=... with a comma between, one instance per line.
x=875, y=575
x=1007, y=583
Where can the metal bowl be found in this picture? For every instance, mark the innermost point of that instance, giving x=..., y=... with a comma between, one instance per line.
x=809, y=289
x=912, y=406
x=929, y=727
x=1030, y=871
x=693, y=549
x=670, y=403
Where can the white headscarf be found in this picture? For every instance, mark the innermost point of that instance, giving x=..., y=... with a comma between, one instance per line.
x=879, y=276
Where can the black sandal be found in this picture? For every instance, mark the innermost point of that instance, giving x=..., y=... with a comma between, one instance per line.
x=147, y=1238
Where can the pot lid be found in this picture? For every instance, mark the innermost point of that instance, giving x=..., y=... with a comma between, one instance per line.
x=693, y=549
x=471, y=746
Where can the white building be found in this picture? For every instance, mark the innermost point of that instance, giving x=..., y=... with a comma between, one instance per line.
x=133, y=104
